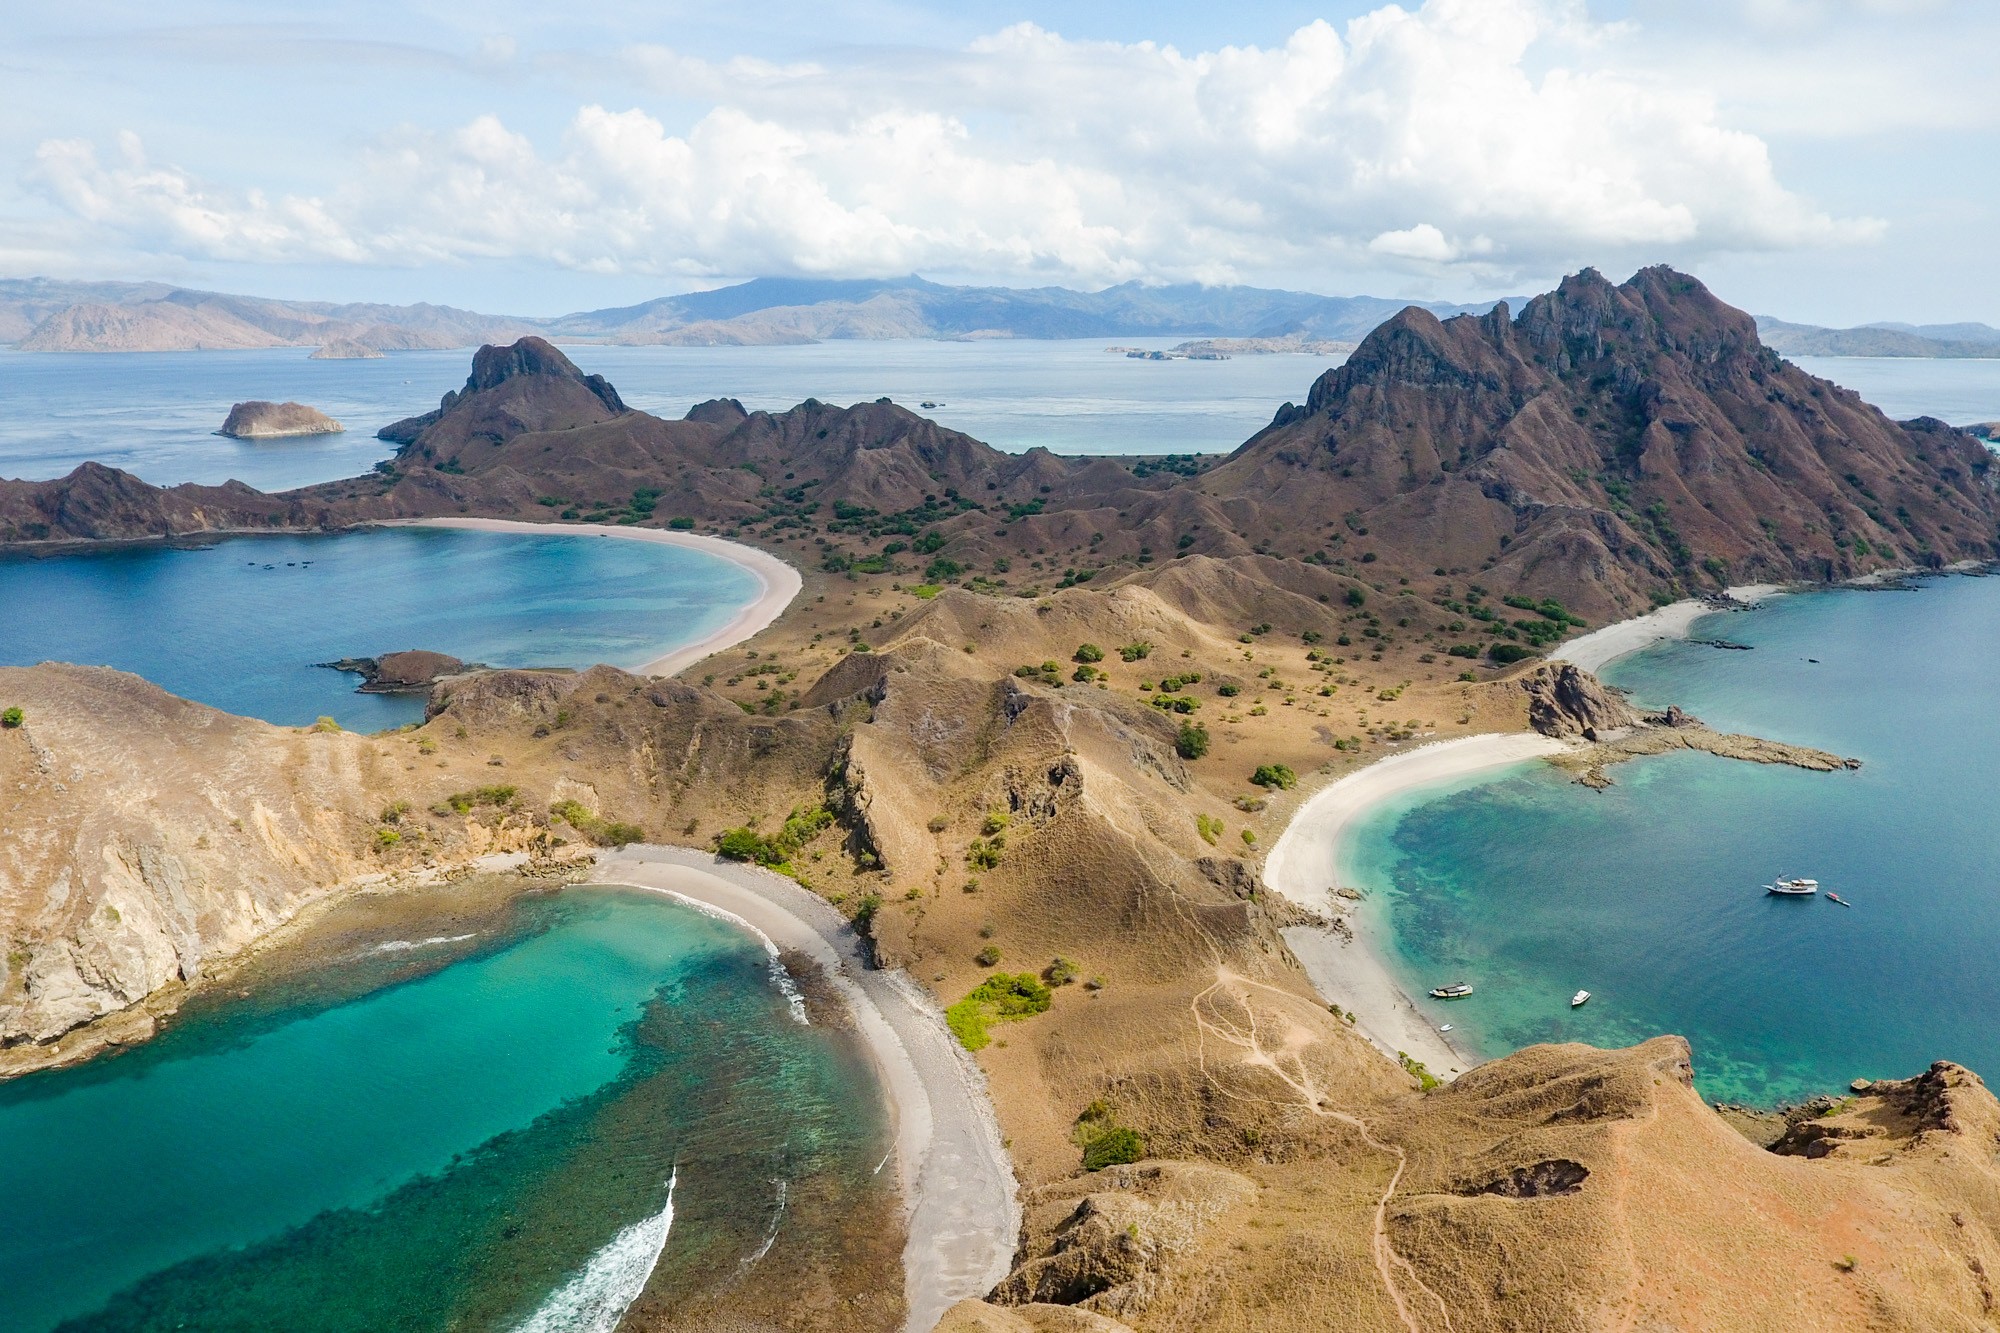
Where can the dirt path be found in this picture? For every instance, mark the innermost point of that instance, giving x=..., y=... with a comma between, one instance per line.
x=1245, y=1038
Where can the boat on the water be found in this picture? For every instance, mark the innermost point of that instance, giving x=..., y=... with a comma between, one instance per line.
x=1457, y=991
x=1445, y=1028
x=1577, y=1000
x=1793, y=888
x=1833, y=897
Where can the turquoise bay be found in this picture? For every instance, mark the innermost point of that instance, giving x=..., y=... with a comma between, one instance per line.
x=1648, y=894
x=465, y=1118
x=239, y=623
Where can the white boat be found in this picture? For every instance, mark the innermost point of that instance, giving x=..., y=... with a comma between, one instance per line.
x=1445, y=1028
x=1793, y=888
x=1577, y=1000
x=1453, y=992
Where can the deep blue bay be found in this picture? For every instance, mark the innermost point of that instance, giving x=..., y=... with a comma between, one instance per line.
x=1647, y=894
x=239, y=623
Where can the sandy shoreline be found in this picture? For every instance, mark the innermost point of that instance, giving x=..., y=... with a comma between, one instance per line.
x=1301, y=866
x=1600, y=648
x=958, y=1183
x=778, y=581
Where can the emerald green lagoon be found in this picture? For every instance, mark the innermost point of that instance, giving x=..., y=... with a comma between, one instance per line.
x=516, y=1117
x=1649, y=894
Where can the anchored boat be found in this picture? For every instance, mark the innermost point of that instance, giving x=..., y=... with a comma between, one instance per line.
x=1454, y=992
x=1793, y=888
x=1578, y=1000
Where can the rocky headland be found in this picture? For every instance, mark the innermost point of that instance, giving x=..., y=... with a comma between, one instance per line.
x=258, y=420
x=411, y=671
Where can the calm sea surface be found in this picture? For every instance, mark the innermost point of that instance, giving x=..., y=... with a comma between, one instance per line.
x=1648, y=895
x=240, y=623
x=431, y=1132
x=154, y=414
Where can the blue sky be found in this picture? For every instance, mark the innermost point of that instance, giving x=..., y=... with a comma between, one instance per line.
x=1827, y=160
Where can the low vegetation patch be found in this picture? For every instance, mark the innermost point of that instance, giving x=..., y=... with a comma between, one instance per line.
x=1002, y=997
x=464, y=802
x=1192, y=741
x=1276, y=777
x=603, y=832
x=775, y=850
x=1416, y=1069
x=12, y=718
x=1104, y=1141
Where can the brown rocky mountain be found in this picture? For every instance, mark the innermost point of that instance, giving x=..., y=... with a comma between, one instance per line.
x=260, y=420
x=1606, y=445
x=172, y=319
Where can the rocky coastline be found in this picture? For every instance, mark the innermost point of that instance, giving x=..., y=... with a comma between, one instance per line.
x=260, y=420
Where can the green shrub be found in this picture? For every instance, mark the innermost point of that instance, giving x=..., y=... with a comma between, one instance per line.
x=1415, y=1068
x=12, y=718
x=1229, y=691
x=1087, y=652
x=1274, y=776
x=387, y=837
x=942, y=570
x=1133, y=652
x=1192, y=741
x=1061, y=972
x=996, y=821
x=1116, y=1146
x=1505, y=653
x=1000, y=998
x=985, y=853
x=988, y=956
x=801, y=826
x=325, y=724
x=681, y=524
x=1209, y=827
x=1356, y=597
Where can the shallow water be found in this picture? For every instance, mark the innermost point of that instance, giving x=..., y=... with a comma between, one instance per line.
x=240, y=623
x=154, y=414
x=476, y=1134
x=1648, y=895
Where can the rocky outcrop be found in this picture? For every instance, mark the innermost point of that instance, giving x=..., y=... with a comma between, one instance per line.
x=1663, y=733
x=259, y=420
x=523, y=388
x=346, y=349
x=1564, y=700
x=402, y=673
x=95, y=503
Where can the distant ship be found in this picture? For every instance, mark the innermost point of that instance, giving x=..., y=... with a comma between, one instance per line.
x=1578, y=999
x=1793, y=888
x=1457, y=992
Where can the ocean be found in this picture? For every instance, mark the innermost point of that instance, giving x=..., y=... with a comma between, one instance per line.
x=1649, y=894
x=239, y=623
x=154, y=414
x=474, y=1110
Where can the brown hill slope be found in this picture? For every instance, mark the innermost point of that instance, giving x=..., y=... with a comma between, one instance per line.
x=1608, y=444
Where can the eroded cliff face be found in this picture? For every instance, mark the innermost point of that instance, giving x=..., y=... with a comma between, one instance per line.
x=148, y=838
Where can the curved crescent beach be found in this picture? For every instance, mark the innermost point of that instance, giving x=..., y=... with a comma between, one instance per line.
x=779, y=582
x=1351, y=972
x=957, y=1182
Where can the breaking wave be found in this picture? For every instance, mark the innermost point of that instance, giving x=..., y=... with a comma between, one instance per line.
x=595, y=1300
x=403, y=946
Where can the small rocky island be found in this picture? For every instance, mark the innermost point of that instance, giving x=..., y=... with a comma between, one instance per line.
x=401, y=673
x=264, y=421
x=346, y=349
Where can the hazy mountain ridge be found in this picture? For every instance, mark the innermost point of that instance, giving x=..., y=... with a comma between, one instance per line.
x=47, y=316
x=1944, y=341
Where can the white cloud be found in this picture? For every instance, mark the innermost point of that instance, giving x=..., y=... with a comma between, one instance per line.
x=1484, y=137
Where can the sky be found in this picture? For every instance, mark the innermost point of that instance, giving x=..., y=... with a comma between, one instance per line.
x=1830, y=161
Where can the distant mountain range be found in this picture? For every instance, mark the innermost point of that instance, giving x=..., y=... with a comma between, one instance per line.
x=49, y=316
x=1913, y=340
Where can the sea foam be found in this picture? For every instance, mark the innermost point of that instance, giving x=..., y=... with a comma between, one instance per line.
x=595, y=1300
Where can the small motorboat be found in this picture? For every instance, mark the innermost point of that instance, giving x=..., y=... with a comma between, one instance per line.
x=1445, y=1028
x=1578, y=1000
x=1833, y=897
x=1457, y=991
x=1793, y=888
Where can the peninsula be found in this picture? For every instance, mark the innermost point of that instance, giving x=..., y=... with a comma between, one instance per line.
x=1045, y=716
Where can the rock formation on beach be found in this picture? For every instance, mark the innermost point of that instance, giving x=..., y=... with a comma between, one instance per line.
x=402, y=673
x=257, y=420
x=346, y=349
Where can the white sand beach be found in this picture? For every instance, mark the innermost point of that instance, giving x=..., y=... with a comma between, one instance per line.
x=957, y=1181
x=1599, y=648
x=780, y=582
x=1352, y=972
